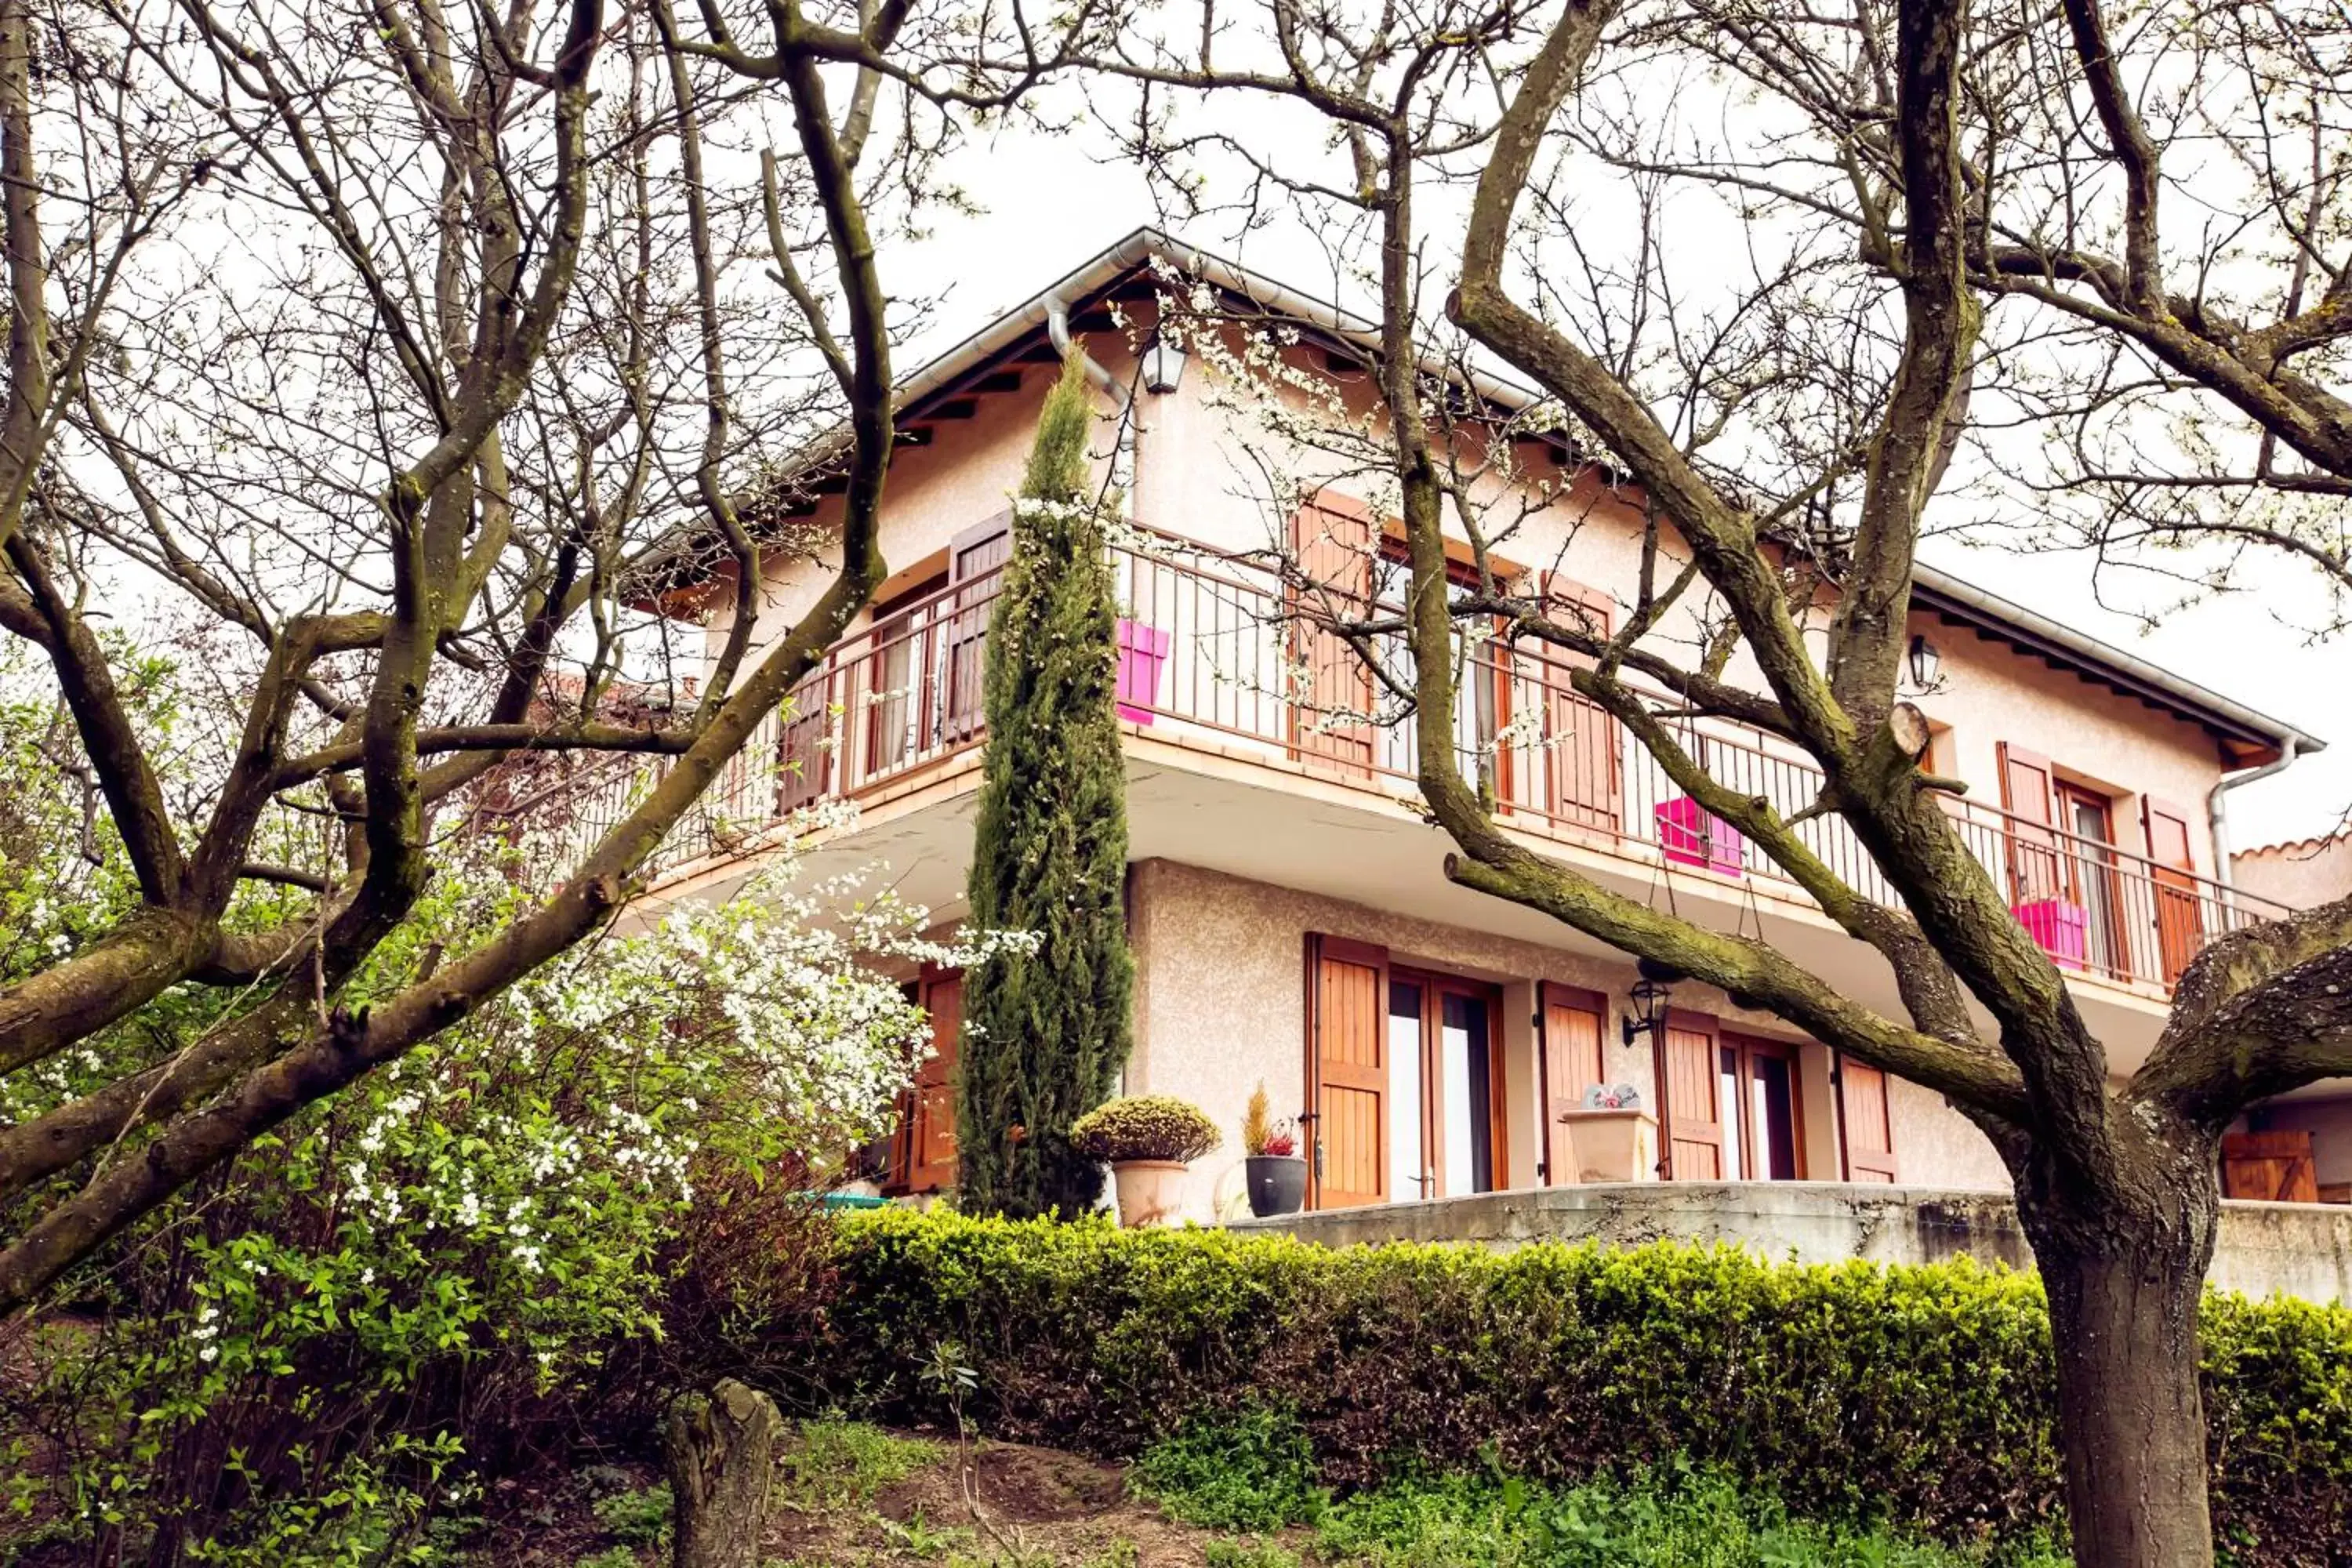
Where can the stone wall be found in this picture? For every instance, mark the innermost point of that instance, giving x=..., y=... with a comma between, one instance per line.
x=2294, y=1249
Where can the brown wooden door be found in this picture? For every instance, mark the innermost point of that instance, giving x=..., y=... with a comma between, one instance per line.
x=1330, y=728
x=1865, y=1122
x=2180, y=915
x=1585, y=769
x=1689, y=1070
x=1572, y=1063
x=927, y=1156
x=2274, y=1167
x=2027, y=794
x=976, y=560
x=1347, y=1072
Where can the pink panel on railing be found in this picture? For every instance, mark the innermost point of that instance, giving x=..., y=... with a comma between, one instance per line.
x=2063, y=928
x=1691, y=835
x=1143, y=650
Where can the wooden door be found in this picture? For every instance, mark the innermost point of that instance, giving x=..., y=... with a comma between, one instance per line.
x=1571, y=1063
x=1585, y=770
x=1689, y=1068
x=925, y=1160
x=1347, y=1072
x=976, y=559
x=2180, y=914
x=2027, y=793
x=1865, y=1122
x=2272, y=1167
x=1331, y=540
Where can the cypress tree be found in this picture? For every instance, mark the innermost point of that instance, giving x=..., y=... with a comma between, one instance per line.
x=1047, y=1032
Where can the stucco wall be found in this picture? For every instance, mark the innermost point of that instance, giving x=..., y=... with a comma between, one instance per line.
x=2294, y=1249
x=2300, y=876
x=1219, y=1005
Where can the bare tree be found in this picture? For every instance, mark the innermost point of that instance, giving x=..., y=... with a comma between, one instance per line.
x=1786, y=447
x=387, y=356
x=2159, y=222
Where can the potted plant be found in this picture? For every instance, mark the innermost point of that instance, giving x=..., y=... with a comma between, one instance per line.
x=1277, y=1176
x=1148, y=1139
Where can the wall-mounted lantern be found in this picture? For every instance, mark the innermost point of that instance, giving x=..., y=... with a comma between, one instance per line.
x=1649, y=998
x=1927, y=664
x=1163, y=366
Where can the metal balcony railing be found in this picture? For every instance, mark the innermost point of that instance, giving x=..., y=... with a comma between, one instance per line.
x=1213, y=654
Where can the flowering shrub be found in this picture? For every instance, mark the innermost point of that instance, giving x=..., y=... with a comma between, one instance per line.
x=1145, y=1127
x=306, y=1362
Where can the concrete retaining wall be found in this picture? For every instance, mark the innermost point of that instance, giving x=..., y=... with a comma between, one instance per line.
x=2293, y=1250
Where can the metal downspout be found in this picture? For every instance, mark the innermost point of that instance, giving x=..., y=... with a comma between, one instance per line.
x=2217, y=813
x=1057, y=328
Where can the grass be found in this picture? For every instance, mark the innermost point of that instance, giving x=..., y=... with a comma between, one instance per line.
x=1697, y=1520
x=841, y=1464
x=1255, y=1474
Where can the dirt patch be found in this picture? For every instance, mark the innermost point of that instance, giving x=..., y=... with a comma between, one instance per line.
x=1039, y=1506
x=1032, y=1486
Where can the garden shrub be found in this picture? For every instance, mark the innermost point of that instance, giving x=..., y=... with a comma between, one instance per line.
x=1919, y=1397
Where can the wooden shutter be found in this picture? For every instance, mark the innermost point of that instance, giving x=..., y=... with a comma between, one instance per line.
x=1331, y=539
x=2027, y=794
x=1585, y=767
x=975, y=558
x=1347, y=1072
x=927, y=1153
x=1572, y=1063
x=2179, y=916
x=804, y=761
x=2274, y=1167
x=1865, y=1122
x=1690, y=1067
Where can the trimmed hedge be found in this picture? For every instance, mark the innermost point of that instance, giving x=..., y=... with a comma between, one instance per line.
x=1917, y=1396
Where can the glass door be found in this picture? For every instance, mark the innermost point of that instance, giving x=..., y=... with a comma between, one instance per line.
x=1445, y=1087
x=1763, y=1119
x=2093, y=859
x=1409, y=1175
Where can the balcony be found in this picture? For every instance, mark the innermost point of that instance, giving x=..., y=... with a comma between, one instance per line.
x=1211, y=661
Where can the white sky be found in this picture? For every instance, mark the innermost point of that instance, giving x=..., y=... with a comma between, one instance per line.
x=1064, y=206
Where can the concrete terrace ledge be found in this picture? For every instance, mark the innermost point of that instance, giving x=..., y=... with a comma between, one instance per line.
x=2291, y=1249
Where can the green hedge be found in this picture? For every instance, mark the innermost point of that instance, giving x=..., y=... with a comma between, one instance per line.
x=1920, y=1397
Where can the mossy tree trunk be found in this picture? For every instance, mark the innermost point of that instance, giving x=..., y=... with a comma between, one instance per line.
x=1047, y=1031
x=721, y=1449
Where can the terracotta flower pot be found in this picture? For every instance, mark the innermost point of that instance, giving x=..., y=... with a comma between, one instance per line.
x=1149, y=1191
x=1278, y=1183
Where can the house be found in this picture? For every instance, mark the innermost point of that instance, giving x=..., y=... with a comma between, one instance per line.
x=2302, y=875
x=1290, y=920
x=2299, y=1147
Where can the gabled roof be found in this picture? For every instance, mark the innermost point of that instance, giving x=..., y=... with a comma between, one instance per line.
x=2245, y=736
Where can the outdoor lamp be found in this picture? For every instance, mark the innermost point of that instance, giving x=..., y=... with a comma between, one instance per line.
x=1163, y=366
x=1927, y=664
x=1649, y=997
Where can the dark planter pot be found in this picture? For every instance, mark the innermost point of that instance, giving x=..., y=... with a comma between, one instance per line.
x=1278, y=1183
